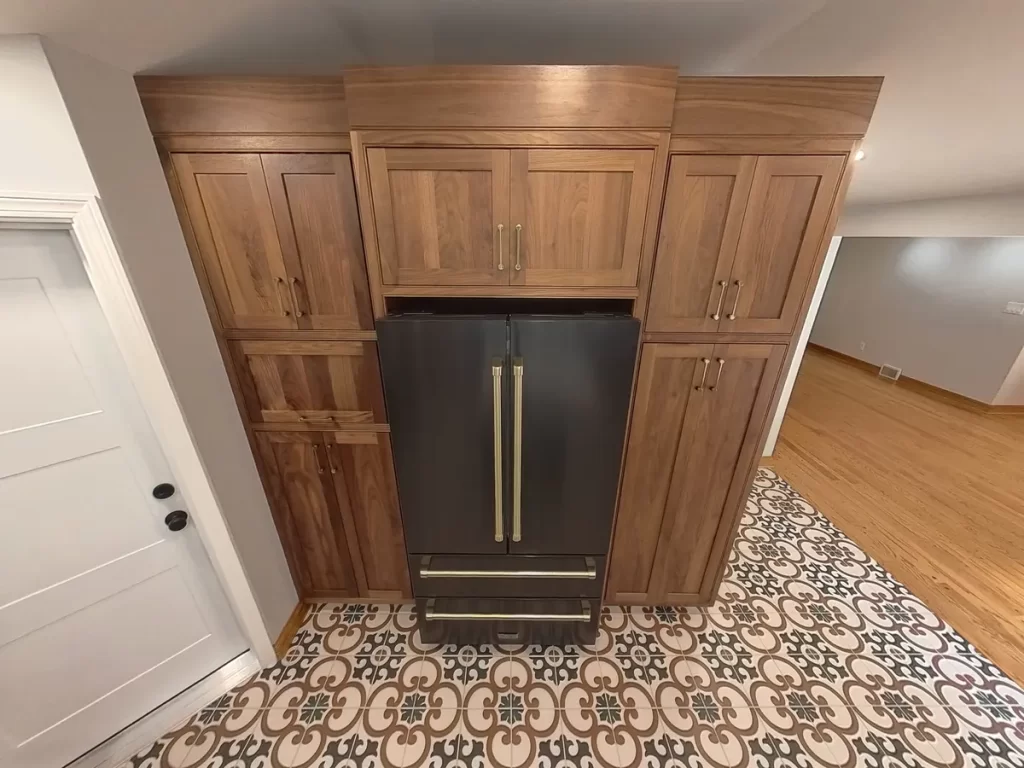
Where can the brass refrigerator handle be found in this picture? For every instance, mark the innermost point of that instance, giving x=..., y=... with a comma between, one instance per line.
x=519, y=237
x=718, y=377
x=295, y=298
x=704, y=375
x=721, y=298
x=517, y=450
x=589, y=571
x=432, y=615
x=496, y=366
x=501, y=264
x=736, y=301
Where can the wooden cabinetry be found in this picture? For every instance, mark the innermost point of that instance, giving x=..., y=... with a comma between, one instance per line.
x=468, y=216
x=279, y=238
x=336, y=509
x=739, y=237
x=697, y=424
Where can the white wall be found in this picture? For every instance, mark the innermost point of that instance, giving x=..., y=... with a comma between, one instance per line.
x=995, y=215
x=932, y=306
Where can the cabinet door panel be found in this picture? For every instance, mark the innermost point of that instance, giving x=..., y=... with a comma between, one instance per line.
x=710, y=479
x=230, y=214
x=314, y=203
x=437, y=214
x=700, y=226
x=364, y=480
x=666, y=385
x=305, y=510
x=325, y=382
x=788, y=209
x=582, y=213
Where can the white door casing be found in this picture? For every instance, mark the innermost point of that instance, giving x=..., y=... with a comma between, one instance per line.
x=104, y=613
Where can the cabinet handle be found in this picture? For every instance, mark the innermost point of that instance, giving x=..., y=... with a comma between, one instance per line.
x=280, y=292
x=316, y=457
x=330, y=459
x=519, y=237
x=736, y=301
x=295, y=296
x=430, y=614
x=704, y=375
x=517, y=450
x=718, y=378
x=501, y=263
x=496, y=366
x=721, y=297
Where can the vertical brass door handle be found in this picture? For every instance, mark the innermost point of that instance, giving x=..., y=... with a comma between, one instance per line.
x=519, y=238
x=279, y=282
x=718, y=377
x=496, y=366
x=721, y=298
x=501, y=263
x=704, y=375
x=736, y=301
x=295, y=296
x=517, y=450
x=316, y=458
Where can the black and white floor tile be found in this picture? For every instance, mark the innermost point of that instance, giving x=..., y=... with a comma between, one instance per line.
x=812, y=655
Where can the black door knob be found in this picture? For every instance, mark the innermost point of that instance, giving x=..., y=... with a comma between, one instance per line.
x=163, y=491
x=177, y=519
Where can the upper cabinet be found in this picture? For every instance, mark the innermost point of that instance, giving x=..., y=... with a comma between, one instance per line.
x=279, y=239
x=577, y=215
x=441, y=214
x=738, y=240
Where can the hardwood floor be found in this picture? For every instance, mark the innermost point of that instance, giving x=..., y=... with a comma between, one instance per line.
x=932, y=491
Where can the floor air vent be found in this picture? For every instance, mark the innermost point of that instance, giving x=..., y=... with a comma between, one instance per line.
x=890, y=372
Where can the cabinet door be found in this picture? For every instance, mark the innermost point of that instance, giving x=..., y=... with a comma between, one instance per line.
x=441, y=215
x=700, y=226
x=306, y=512
x=329, y=383
x=582, y=214
x=229, y=210
x=787, y=212
x=667, y=385
x=363, y=476
x=314, y=203
x=711, y=475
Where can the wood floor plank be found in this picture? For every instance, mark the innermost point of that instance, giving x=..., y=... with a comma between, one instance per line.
x=932, y=491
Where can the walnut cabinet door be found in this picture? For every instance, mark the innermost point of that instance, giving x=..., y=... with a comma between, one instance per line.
x=698, y=416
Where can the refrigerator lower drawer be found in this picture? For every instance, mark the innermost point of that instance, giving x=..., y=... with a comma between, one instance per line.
x=512, y=576
x=467, y=620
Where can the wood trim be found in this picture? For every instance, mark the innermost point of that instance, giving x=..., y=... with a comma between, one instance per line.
x=243, y=105
x=367, y=220
x=377, y=597
x=715, y=337
x=924, y=388
x=265, y=143
x=652, y=225
x=775, y=106
x=511, y=97
x=320, y=427
x=242, y=334
x=520, y=291
x=511, y=138
x=290, y=628
x=761, y=145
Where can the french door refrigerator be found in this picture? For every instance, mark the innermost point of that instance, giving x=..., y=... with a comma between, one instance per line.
x=507, y=432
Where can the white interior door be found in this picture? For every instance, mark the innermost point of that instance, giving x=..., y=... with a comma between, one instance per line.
x=104, y=612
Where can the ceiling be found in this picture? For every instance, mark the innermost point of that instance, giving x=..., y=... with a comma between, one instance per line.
x=948, y=122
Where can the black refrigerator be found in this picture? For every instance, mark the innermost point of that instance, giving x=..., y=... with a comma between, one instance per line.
x=507, y=432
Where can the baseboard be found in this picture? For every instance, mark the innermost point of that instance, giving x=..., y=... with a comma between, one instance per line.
x=923, y=388
x=284, y=640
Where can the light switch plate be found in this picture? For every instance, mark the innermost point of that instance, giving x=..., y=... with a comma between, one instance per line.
x=1014, y=308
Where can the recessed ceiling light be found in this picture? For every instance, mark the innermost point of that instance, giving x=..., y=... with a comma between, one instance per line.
x=858, y=155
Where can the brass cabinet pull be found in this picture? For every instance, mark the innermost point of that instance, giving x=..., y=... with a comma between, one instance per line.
x=295, y=297
x=280, y=285
x=517, y=450
x=330, y=459
x=501, y=263
x=430, y=614
x=426, y=572
x=721, y=298
x=704, y=375
x=736, y=301
x=718, y=378
x=519, y=237
x=496, y=366
x=316, y=458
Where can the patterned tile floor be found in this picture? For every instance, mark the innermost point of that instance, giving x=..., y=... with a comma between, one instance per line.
x=813, y=655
